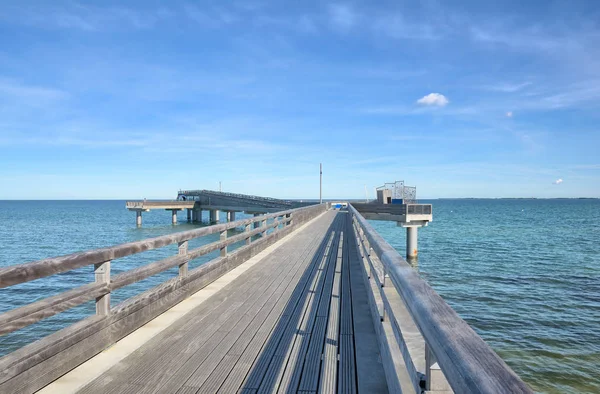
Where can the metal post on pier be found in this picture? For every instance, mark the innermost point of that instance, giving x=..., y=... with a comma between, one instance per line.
x=320, y=183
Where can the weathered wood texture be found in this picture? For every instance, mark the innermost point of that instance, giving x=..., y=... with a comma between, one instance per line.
x=37, y=364
x=21, y=273
x=468, y=363
x=267, y=330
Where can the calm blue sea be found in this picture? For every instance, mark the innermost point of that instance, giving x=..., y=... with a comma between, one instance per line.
x=525, y=274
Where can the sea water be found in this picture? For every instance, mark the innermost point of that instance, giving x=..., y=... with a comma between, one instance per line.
x=525, y=274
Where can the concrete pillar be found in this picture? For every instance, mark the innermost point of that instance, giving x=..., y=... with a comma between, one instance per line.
x=230, y=216
x=194, y=215
x=213, y=216
x=189, y=215
x=217, y=216
x=411, y=243
x=138, y=218
x=174, y=216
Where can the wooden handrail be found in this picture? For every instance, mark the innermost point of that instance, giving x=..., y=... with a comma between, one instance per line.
x=42, y=309
x=468, y=363
x=22, y=273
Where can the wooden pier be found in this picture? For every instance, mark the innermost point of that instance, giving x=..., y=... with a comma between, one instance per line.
x=214, y=202
x=312, y=300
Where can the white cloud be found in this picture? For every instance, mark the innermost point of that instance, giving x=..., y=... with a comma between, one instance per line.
x=558, y=181
x=434, y=99
x=509, y=114
x=342, y=16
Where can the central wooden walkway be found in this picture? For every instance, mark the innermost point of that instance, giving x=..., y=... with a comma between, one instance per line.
x=296, y=322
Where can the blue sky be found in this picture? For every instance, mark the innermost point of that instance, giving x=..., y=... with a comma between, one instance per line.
x=138, y=99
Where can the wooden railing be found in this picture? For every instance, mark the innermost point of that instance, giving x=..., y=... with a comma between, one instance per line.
x=37, y=364
x=150, y=204
x=455, y=357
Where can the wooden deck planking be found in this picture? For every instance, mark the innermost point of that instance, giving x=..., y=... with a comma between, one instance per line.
x=293, y=370
x=153, y=368
x=285, y=325
x=311, y=369
x=347, y=364
x=194, y=372
x=224, y=367
x=266, y=358
x=247, y=359
x=285, y=347
x=328, y=380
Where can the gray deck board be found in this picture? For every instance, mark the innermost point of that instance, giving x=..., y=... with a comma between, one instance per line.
x=347, y=364
x=328, y=379
x=288, y=324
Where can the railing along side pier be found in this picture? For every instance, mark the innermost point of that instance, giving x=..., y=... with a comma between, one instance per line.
x=467, y=363
x=35, y=365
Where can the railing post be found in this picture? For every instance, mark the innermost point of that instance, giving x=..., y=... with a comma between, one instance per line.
x=102, y=274
x=224, y=248
x=434, y=377
x=289, y=215
x=264, y=224
x=183, y=249
x=249, y=239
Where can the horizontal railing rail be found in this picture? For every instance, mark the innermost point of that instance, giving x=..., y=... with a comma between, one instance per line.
x=236, y=196
x=21, y=273
x=468, y=363
x=35, y=365
x=149, y=204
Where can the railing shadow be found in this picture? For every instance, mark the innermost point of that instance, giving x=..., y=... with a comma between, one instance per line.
x=272, y=360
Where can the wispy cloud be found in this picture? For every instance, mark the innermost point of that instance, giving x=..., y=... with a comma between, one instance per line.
x=507, y=87
x=85, y=17
x=342, y=16
x=558, y=181
x=11, y=89
x=396, y=26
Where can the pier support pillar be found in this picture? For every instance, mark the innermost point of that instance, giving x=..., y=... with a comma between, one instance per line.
x=230, y=216
x=189, y=215
x=174, y=216
x=138, y=218
x=411, y=243
x=214, y=216
x=217, y=216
